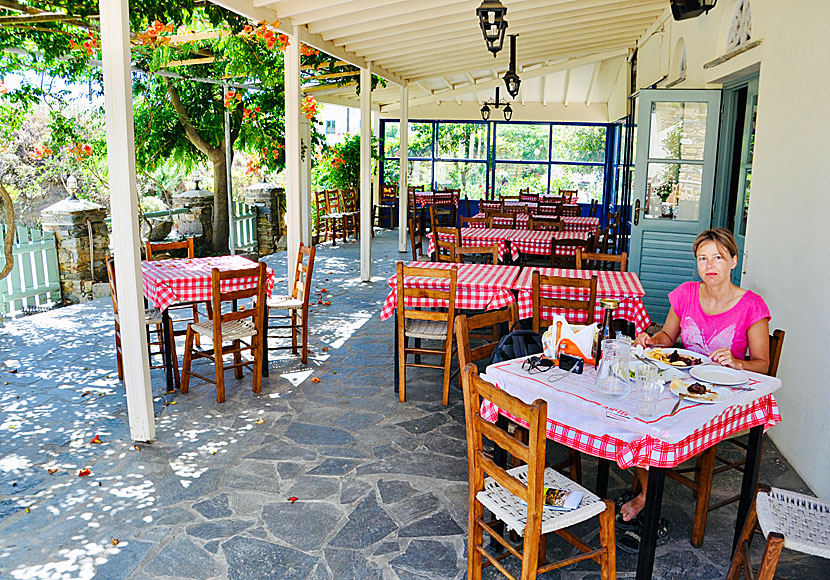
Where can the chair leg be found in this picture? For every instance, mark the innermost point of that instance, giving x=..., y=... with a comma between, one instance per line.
x=119, y=360
x=196, y=319
x=174, y=357
x=401, y=363
x=703, y=480
x=576, y=465
x=294, y=331
x=608, y=540
x=188, y=359
x=445, y=397
x=475, y=538
x=772, y=551
x=237, y=359
x=740, y=559
x=304, y=321
x=220, y=370
x=256, y=352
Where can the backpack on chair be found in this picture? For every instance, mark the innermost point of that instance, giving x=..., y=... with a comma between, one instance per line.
x=516, y=344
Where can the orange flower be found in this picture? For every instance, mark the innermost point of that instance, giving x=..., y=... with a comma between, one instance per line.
x=95, y=440
x=84, y=472
x=248, y=28
x=316, y=380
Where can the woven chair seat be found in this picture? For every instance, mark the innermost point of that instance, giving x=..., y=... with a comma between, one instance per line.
x=426, y=329
x=233, y=330
x=513, y=511
x=804, y=521
x=151, y=316
x=284, y=302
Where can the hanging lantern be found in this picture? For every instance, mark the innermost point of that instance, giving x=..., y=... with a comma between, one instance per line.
x=485, y=112
x=511, y=79
x=491, y=15
x=508, y=113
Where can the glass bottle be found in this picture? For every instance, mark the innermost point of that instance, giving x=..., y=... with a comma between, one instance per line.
x=606, y=329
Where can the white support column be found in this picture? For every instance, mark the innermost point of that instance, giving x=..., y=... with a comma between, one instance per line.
x=293, y=179
x=305, y=182
x=403, y=186
x=376, y=182
x=366, y=173
x=118, y=100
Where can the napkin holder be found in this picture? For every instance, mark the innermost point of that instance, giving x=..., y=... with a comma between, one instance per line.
x=561, y=337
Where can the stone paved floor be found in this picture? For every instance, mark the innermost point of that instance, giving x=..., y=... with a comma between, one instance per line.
x=381, y=486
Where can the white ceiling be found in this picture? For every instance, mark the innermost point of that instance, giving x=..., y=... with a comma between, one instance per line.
x=569, y=51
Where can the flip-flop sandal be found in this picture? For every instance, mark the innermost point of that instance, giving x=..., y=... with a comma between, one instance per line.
x=624, y=498
x=632, y=524
x=630, y=541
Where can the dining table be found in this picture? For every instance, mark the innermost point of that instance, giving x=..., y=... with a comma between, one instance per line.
x=513, y=243
x=608, y=428
x=170, y=282
x=622, y=286
x=571, y=224
x=520, y=207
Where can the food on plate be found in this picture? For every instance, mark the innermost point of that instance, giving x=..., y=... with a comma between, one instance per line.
x=675, y=358
x=696, y=389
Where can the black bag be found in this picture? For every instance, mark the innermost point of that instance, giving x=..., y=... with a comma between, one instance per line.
x=516, y=344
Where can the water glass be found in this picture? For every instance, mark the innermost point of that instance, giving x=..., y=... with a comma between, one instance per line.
x=648, y=390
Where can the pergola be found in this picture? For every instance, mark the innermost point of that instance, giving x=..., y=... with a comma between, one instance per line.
x=432, y=51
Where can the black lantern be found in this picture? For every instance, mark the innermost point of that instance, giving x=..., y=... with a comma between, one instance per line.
x=511, y=79
x=496, y=103
x=508, y=112
x=485, y=112
x=491, y=15
x=685, y=9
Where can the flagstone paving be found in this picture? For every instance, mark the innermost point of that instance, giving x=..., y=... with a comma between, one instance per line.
x=380, y=486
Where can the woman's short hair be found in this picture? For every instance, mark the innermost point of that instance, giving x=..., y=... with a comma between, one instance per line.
x=722, y=237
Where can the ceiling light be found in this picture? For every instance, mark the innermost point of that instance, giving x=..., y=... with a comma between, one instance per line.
x=511, y=79
x=485, y=112
x=508, y=113
x=491, y=15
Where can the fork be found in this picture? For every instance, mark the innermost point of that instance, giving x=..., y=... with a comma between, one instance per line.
x=681, y=396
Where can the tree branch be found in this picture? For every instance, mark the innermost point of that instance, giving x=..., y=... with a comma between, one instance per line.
x=9, y=238
x=192, y=133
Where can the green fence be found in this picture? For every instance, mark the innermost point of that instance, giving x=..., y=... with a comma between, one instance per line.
x=34, y=281
x=244, y=227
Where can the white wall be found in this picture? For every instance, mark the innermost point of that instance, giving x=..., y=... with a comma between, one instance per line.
x=346, y=120
x=787, y=249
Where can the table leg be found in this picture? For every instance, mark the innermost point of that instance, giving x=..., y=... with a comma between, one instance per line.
x=167, y=338
x=750, y=480
x=397, y=346
x=651, y=517
x=265, y=340
x=603, y=467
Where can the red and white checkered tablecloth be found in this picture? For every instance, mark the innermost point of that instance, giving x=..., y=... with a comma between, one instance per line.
x=478, y=287
x=167, y=282
x=583, y=420
x=425, y=198
x=572, y=224
x=568, y=209
x=623, y=286
x=521, y=241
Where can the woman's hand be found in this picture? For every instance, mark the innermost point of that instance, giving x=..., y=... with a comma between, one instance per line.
x=644, y=340
x=723, y=356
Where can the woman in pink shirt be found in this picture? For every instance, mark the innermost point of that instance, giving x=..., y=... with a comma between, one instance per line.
x=713, y=317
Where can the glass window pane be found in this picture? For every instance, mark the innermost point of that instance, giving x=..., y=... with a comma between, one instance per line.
x=578, y=143
x=522, y=142
x=470, y=178
x=745, y=212
x=673, y=191
x=420, y=173
x=511, y=177
x=391, y=139
x=588, y=180
x=391, y=171
x=678, y=130
x=462, y=141
x=420, y=139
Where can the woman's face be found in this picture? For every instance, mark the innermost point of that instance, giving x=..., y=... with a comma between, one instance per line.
x=714, y=264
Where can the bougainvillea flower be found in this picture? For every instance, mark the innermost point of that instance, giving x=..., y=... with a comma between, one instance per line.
x=84, y=472
x=95, y=440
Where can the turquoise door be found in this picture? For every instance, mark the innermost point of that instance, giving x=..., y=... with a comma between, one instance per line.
x=673, y=186
x=745, y=176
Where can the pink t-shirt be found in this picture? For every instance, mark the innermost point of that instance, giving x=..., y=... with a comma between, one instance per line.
x=706, y=333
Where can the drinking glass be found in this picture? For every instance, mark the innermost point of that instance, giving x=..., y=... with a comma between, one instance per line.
x=648, y=390
x=612, y=373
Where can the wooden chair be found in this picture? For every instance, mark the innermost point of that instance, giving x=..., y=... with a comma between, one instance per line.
x=516, y=496
x=159, y=251
x=350, y=212
x=295, y=304
x=565, y=258
x=490, y=321
x=704, y=470
x=507, y=221
x=326, y=222
x=442, y=247
x=486, y=254
x=415, y=239
x=604, y=245
x=545, y=223
x=243, y=328
x=593, y=261
x=414, y=323
x=444, y=207
x=504, y=197
x=570, y=211
x=488, y=207
x=569, y=194
x=548, y=208
x=387, y=207
x=153, y=323
x=526, y=196
x=593, y=210
x=467, y=222
x=788, y=520
x=542, y=302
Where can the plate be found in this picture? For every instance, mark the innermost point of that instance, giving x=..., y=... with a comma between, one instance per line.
x=712, y=395
x=665, y=373
x=668, y=350
x=718, y=375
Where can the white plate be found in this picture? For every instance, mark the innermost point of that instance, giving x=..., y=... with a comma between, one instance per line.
x=718, y=375
x=668, y=350
x=713, y=394
x=665, y=373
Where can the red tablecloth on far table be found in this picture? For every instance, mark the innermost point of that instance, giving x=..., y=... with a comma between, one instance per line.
x=478, y=287
x=572, y=224
x=167, y=282
x=623, y=286
x=521, y=241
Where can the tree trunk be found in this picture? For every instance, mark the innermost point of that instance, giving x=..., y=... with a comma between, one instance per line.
x=221, y=227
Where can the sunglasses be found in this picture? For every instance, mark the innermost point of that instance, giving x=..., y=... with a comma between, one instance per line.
x=537, y=364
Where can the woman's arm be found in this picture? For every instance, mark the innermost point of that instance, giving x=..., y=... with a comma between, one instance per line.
x=758, y=338
x=666, y=337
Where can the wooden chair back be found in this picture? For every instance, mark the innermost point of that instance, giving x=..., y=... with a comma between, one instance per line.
x=301, y=288
x=507, y=221
x=388, y=194
x=443, y=251
x=545, y=223
x=151, y=248
x=446, y=294
x=465, y=324
x=321, y=202
x=547, y=208
x=488, y=206
x=348, y=200
x=414, y=188
x=566, y=259
x=592, y=261
x=469, y=221
x=232, y=280
x=570, y=211
x=110, y=262
x=541, y=302
x=569, y=194
x=414, y=239
x=487, y=254
x=592, y=211
x=776, y=344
